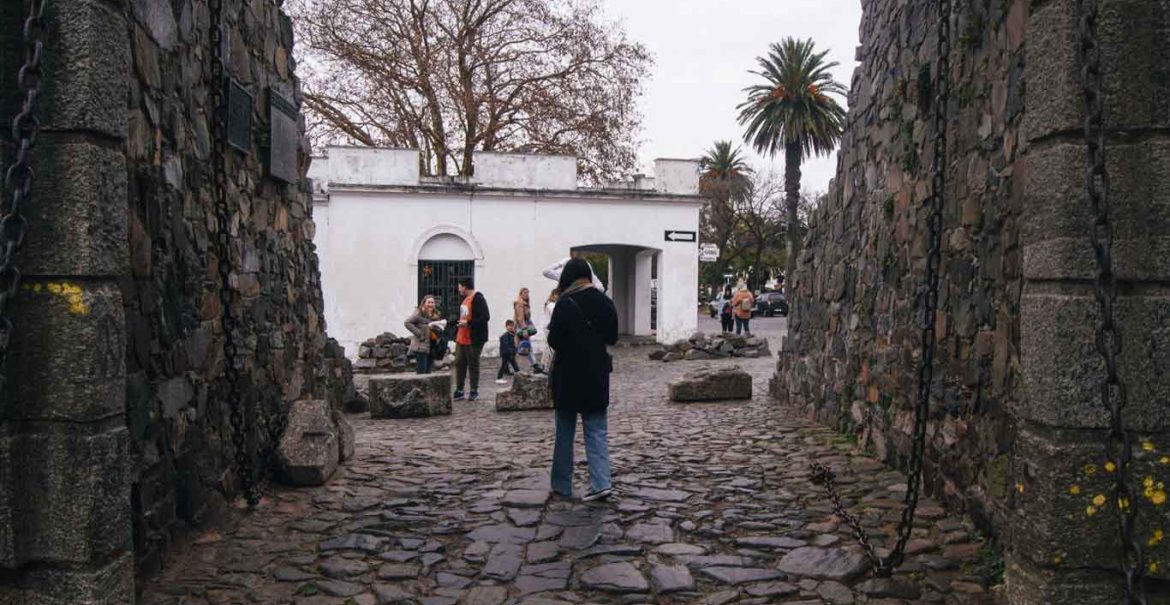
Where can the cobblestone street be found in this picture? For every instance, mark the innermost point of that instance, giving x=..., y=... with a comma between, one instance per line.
x=714, y=507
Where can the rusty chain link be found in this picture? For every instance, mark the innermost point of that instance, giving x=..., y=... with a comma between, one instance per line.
x=884, y=566
x=241, y=425
x=1108, y=337
x=18, y=179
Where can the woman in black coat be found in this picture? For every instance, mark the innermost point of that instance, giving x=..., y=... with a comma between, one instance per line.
x=584, y=322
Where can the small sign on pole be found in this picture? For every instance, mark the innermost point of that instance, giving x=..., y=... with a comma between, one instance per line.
x=708, y=253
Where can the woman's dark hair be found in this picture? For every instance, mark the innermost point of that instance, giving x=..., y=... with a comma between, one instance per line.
x=574, y=270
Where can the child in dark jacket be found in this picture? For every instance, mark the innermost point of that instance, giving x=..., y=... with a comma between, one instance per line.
x=507, y=352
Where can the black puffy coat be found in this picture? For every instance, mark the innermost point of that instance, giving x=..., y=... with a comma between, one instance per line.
x=581, y=327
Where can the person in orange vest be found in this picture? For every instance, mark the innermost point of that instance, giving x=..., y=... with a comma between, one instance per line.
x=743, y=303
x=470, y=338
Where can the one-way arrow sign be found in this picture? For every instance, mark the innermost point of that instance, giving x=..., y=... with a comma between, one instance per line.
x=680, y=236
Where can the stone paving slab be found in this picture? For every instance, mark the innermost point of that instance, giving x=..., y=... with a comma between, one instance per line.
x=715, y=508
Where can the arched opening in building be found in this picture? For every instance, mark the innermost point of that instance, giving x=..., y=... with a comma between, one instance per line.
x=630, y=275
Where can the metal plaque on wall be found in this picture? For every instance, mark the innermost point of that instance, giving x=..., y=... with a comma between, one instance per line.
x=239, y=116
x=282, y=138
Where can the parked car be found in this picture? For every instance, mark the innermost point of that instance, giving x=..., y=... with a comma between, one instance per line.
x=770, y=304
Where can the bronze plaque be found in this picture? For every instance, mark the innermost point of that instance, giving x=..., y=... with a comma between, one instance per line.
x=283, y=139
x=239, y=116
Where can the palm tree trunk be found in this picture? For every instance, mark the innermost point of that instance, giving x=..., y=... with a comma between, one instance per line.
x=792, y=158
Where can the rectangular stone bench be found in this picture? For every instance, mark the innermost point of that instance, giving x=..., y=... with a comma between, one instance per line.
x=712, y=384
x=529, y=392
x=410, y=395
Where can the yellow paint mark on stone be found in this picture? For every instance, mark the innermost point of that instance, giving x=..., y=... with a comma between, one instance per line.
x=1110, y=467
x=1099, y=500
x=1147, y=446
x=1075, y=490
x=72, y=293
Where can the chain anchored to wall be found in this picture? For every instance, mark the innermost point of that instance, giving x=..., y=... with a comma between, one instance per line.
x=18, y=179
x=1108, y=338
x=884, y=566
x=237, y=394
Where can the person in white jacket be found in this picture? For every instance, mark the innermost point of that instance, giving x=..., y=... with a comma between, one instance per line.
x=546, y=352
x=554, y=273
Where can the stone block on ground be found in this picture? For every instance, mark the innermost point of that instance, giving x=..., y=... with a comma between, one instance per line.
x=410, y=395
x=310, y=448
x=529, y=392
x=712, y=384
x=346, y=440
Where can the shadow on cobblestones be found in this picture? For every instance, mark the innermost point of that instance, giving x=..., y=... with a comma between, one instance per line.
x=714, y=508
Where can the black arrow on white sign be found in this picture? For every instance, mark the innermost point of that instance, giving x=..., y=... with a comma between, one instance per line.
x=680, y=236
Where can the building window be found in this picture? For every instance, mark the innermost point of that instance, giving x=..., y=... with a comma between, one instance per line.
x=440, y=278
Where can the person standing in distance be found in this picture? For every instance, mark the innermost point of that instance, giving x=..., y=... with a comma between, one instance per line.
x=470, y=337
x=584, y=322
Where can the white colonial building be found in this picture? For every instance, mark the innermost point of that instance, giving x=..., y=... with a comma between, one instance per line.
x=386, y=236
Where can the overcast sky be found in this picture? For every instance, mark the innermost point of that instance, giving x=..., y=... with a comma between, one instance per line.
x=703, y=50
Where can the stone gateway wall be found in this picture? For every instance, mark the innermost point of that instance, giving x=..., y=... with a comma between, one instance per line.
x=118, y=354
x=854, y=340
x=176, y=401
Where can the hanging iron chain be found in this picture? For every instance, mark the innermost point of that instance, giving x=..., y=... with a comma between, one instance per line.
x=240, y=428
x=1108, y=338
x=822, y=475
x=18, y=179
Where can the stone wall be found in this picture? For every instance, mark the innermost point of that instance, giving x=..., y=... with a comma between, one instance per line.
x=115, y=425
x=176, y=403
x=854, y=339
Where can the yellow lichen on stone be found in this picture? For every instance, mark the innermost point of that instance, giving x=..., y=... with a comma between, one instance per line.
x=1075, y=490
x=1110, y=467
x=1099, y=500
x=1147, y=445
x=72, y=293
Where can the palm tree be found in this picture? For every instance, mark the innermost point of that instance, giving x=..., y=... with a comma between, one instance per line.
x=724, y=176
x=721, y=163
x=791, y=111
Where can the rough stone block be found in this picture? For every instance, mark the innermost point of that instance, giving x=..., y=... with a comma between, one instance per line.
x=1058, y=213
x=1062, y=370
x=1029, y=585
x=1064, y=515
x=529, y=392
x=77, y=218
x=72, y=505
x=1133, y=51
x=112, y=584
x=712, y=384
x=67, y=361
x=410, y=395
x=310, y=448
x=346, y=439
x=87, y=67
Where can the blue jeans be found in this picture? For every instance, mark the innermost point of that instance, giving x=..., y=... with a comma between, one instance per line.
x=423, y=363
x=742, y=324
x=594, y=424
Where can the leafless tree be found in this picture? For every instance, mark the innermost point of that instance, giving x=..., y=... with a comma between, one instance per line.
x=450, y=77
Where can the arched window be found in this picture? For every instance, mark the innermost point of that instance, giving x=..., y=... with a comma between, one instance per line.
x=443, y=259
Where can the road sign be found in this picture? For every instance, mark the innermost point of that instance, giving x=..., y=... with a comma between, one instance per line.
x=680, y=236
x=708, y=253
